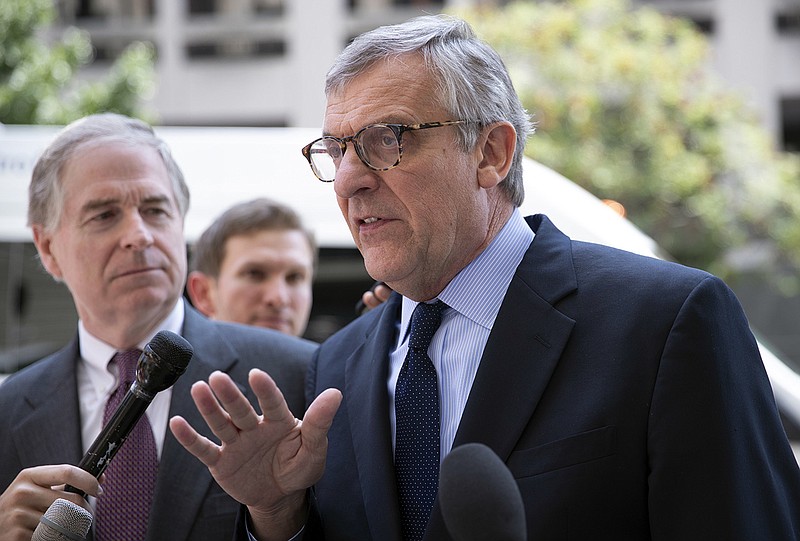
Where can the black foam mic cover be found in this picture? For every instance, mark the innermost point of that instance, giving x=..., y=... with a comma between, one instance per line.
x=478, y=496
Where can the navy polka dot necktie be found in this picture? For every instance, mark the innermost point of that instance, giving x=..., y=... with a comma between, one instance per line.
x=123, y=509
x=416, y=455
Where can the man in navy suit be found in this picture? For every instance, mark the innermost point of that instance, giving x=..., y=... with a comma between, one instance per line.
x=625, y=394
x=107, y=204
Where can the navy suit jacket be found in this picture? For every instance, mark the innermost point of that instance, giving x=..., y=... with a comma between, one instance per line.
x=626, y=395
x=40, y=421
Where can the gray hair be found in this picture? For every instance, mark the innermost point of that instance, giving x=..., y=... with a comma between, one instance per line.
x=46, y=194
x=472, y=79
x=244, y=218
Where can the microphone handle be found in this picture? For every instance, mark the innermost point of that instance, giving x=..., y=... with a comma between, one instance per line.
x=114, y=434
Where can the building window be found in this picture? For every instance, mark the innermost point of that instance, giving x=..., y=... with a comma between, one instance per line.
x=788, y=23
x=705, y=26
x=202, y=7
x=790, y=114
x=235, y=48
x=230, y=7
x=99, y=9
x=356, y=4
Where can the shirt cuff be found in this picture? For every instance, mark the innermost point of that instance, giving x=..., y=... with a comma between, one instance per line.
x=296, y=537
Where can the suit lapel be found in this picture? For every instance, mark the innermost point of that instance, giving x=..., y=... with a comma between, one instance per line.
x=366, y=380
x=524, y=346
x=523, y=349
x=183, y=481
x=52, y=432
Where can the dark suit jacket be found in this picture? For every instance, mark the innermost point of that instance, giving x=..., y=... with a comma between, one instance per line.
x=40, y=421
x=625, y=394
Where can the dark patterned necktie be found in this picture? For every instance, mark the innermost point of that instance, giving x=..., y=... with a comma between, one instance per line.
x=123, y=509
x=416, y=455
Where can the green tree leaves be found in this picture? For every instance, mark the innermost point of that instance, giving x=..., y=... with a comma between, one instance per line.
x=37, y=70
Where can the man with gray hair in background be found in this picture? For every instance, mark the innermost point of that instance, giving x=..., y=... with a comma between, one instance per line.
x=106, y=205
x=625, y=394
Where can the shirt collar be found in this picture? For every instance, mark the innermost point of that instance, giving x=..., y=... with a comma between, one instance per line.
x=477, y=291
x=96, y=353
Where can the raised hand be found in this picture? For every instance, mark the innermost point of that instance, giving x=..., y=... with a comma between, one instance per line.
x=264, y=461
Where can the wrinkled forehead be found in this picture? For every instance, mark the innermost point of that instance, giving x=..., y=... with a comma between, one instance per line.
x=115, y=167
x=280, y=242
x=397, y=90
x=110, y=153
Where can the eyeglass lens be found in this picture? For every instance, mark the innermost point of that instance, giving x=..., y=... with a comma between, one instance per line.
x=377, y=146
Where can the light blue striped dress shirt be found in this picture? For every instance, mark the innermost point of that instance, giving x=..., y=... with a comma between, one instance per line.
x=474, y=297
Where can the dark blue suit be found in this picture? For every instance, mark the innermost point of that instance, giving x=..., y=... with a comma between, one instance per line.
x=625, y=394
x=40, y=423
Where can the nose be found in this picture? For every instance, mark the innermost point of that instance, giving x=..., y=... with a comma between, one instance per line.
x=275, y=293
x=136, y=234
x=353, y=175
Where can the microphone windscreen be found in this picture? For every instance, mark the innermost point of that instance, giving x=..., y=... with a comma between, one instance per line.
x=63, y=521
x=478, y=496
x=162, y=362
x=174, y=347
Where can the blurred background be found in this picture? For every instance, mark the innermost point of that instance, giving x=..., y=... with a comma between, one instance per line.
x=684, y=115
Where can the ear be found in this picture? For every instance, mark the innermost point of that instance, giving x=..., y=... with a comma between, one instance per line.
x=497, y=146
x=44, y=244
x=200, y=289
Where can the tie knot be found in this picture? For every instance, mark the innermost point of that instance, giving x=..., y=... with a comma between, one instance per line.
x=424, y=322
x=126, y=362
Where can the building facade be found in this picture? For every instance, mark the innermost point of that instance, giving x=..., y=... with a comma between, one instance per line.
x=263, y=62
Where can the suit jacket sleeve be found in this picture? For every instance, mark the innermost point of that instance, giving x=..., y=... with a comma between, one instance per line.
x=719, y=466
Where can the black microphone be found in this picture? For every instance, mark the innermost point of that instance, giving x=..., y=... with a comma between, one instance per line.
x=63, y=521
x=160, y=365
x=479, y=498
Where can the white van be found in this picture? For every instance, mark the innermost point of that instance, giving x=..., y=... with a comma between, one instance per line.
x=227, y=165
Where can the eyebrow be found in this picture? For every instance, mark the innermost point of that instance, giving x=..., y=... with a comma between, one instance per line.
x=326, y=133
x=110, y=201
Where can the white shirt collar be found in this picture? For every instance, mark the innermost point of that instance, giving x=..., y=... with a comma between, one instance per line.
x=96, y=353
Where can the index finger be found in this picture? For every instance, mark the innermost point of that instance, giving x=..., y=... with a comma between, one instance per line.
x=40, y=486
x=63, y=474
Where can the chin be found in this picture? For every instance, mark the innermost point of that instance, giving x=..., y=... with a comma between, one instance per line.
x=379, y=266
x=149, y=300
x=382, y=273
